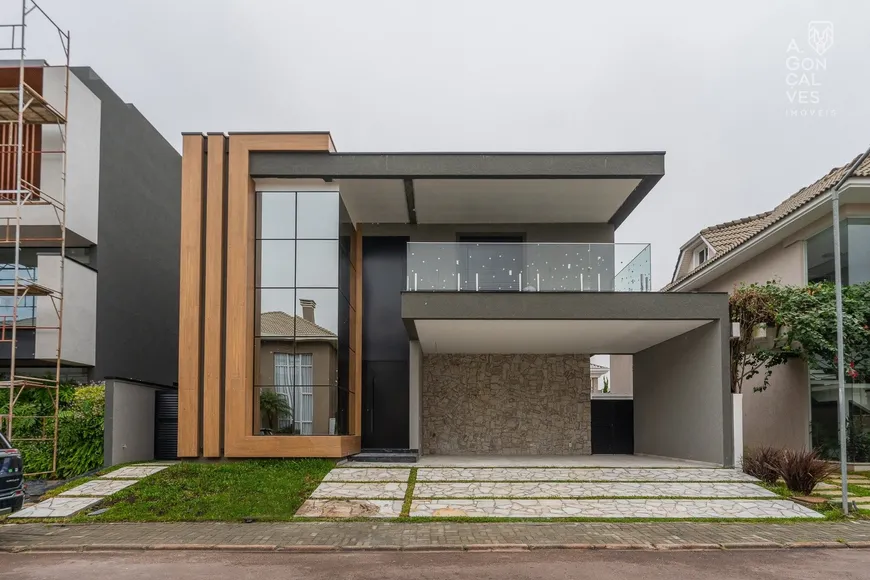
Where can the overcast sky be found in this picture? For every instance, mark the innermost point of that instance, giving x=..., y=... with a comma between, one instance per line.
x=706, y=82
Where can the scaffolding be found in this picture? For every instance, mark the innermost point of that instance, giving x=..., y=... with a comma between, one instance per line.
x=29, y=308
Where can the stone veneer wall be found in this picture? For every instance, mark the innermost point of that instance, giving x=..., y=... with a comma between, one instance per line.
x=522, y=404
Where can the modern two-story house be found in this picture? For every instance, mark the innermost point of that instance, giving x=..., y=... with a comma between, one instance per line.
x=121, y=231
x=466, y=293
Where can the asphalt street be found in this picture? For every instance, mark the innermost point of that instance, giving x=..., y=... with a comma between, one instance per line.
x=841, y=564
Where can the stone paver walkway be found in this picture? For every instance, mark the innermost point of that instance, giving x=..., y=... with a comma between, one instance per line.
x=350, y=508
x=368, y=474
x=311, y=536
x=387, y=490
x=99, y=487
x=610, y=508
x=579, y=474
x=543, y=489
x=560, y=492
x=57, y=507
x=89, y=494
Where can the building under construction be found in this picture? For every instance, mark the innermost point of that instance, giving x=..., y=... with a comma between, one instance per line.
x=88, y=234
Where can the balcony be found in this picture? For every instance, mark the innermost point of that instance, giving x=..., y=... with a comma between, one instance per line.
x=528, y=267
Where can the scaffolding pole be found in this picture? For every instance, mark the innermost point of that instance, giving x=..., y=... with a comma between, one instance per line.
x=35, y=120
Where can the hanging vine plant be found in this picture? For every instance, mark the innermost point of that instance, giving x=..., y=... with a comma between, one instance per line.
x=800, y=321
x=753, y=309
x=810, y=314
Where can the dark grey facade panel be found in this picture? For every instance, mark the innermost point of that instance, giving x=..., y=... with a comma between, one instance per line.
x=139, y=235
x=564, y=306
x=682, y=397
x=458, y=165
x=531, y=233
x=648, y=167
x=385, y=348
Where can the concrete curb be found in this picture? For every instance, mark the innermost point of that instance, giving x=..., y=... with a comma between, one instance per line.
x=751, y=546
x=687, y=546
x=818, y=545
x=470, y=548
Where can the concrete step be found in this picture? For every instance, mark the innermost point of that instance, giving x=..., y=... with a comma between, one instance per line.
x=385, y=456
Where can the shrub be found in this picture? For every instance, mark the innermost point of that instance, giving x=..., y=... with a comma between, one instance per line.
x=803, y=470
x=80, y=432
x=762, y=462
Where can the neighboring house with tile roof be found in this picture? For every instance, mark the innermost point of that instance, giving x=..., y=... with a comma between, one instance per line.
x=793, y=244
x=298, y=360
x=596, y=371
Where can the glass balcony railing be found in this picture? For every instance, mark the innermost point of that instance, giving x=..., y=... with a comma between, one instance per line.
x=516, y=267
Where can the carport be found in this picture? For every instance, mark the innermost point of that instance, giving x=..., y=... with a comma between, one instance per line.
x=682, y=402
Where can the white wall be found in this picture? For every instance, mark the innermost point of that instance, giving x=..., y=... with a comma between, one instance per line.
x=83, y=159
x=129, y=422
x=780, y=415
x=415, y=409
x=83, y=151
x=621, y=374
x=79, y=311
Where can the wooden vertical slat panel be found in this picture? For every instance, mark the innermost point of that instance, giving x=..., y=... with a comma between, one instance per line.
x=239, y=439
x=190, y=296
x=30, y=158
x=213, y=315
x=4, y=155
x=240, y=291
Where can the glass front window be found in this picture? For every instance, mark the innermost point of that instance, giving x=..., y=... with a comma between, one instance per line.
x=300, y=316
x=855, y=263
x=854, y=253
x=27, y=273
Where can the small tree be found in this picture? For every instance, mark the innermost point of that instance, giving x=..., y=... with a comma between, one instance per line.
x=752, y=307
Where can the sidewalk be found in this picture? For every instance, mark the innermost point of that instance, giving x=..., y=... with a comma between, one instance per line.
x=326, y=536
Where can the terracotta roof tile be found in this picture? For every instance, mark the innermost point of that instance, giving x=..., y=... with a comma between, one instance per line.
x=724, y=238
x=282, y=324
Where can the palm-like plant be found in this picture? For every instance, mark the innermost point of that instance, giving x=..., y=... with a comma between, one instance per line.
x=272, y=407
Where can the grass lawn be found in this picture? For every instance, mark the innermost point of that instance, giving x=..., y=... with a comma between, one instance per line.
x=262, y=490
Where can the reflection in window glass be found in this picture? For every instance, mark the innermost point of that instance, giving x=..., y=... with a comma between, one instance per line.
x=859, y=250
x=318, y=306
x=298, y=390
x=820, y=255
x=276, y=215
x=276, y=263
x=28, y=259
x=276, y=309
x=318, y=215
x=317, y=263
x=854, y=251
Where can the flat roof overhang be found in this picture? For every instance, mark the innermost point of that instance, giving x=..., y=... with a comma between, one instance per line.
x=476, y=187
x=558, y=322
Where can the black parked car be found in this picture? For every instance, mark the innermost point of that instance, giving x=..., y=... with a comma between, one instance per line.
x=11, y=478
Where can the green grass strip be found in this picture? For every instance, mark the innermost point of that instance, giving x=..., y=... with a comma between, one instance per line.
x=409, y=493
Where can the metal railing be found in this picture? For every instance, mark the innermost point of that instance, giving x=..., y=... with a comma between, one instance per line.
x=528, y=267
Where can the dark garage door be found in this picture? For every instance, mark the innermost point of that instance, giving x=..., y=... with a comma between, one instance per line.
x=612, y=426
x=166, y=425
